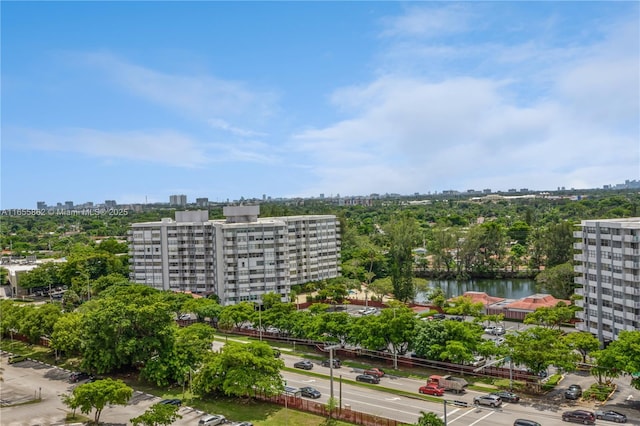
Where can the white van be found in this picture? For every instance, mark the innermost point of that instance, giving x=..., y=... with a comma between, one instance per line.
x=211, y=420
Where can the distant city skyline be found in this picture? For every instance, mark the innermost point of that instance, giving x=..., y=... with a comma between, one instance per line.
x=177, y=200
x=137, y=101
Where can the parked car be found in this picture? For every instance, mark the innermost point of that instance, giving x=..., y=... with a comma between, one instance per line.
x=579, y=416
x=507, y=396
x=478, y=361
x=310, y=392
x=431, y=390
x=336, y=363
x=173, y=401
x=491, y=400
x=305, y=365
x=368, y=311
x=525, y=422
x=16, y=358
x=489, y=329
x=78, y=376
x=368, y=378
x=611, y=415
x=499, y=340
x=243, y=424
x=439, y=316
x=573, y=392
x=211, y=420
x=499, y=331
x=457, y=318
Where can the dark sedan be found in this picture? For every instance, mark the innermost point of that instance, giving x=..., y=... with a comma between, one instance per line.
x=507, y=396
x=310, y=392
x=78, y=376
x=368, y=378
x=304, y=365
x=611, y=415
x=171, y=402
x=579, y=416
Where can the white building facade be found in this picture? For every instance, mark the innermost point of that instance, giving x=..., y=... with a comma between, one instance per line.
x=609, y=273
x=240, y=258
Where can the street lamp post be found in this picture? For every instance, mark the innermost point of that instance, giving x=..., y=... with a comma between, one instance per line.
x=259, y=313
x=331, y=348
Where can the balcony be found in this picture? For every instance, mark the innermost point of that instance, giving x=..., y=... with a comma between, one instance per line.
x=631, y=264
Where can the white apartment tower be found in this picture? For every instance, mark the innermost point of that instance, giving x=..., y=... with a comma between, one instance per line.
x=609, y=268
x=240, y=258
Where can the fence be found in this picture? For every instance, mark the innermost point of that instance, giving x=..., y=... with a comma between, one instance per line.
x=344, y=414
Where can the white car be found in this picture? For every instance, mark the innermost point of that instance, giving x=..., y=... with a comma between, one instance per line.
x=212, y=420
x=369, y=311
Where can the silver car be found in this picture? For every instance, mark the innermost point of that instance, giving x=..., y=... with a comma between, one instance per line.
x=490, y=400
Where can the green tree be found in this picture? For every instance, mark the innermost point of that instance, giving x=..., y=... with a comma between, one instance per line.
x=607, y=366
x=551, y=317
x=538, y=347
x=121, y=331
x=157, y=415
x=559, y=243
x=392, y=329
x=403, y=233
x=46, y=275
x=40, y=320
x=240, y=370
x=67, y=333
x=429, y=419
x=203, y=308
x=235, y=315
x=447, y=340
x=519, y=232
x=557, y=281
x=380, y=288
x=96, y=396
x=465, y=306
x=626, y=351
x=582, y=342
x=189, y=351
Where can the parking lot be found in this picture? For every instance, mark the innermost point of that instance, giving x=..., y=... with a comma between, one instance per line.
x=31, y=394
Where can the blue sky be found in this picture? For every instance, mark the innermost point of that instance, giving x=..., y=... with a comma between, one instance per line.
x=138, y=101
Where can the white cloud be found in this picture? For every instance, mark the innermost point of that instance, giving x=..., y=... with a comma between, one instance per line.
x=199, y=96
x=428, y=21
x=218, y=123
x=527, y=114
x=154, y=146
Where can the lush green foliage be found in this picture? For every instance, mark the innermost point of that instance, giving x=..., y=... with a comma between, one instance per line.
x=157, y=415
x=96, y=395
x=240, y=370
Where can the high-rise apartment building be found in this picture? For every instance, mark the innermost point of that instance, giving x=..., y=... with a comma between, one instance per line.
x=238, y=258
x=178, y=200
x=609, y=273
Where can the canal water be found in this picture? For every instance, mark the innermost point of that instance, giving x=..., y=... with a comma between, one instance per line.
x=506, y=288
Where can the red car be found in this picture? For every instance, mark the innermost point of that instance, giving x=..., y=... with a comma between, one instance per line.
x=431, y=390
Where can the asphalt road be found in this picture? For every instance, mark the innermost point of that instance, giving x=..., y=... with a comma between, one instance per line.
x=26, y=380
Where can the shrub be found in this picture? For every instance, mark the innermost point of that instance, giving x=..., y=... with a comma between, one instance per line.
x=598, y=392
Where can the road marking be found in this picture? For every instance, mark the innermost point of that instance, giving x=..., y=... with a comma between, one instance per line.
x=309, y=381
x=392, y=399
x=630, y=397
x=483, y=417
x=450, y=413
